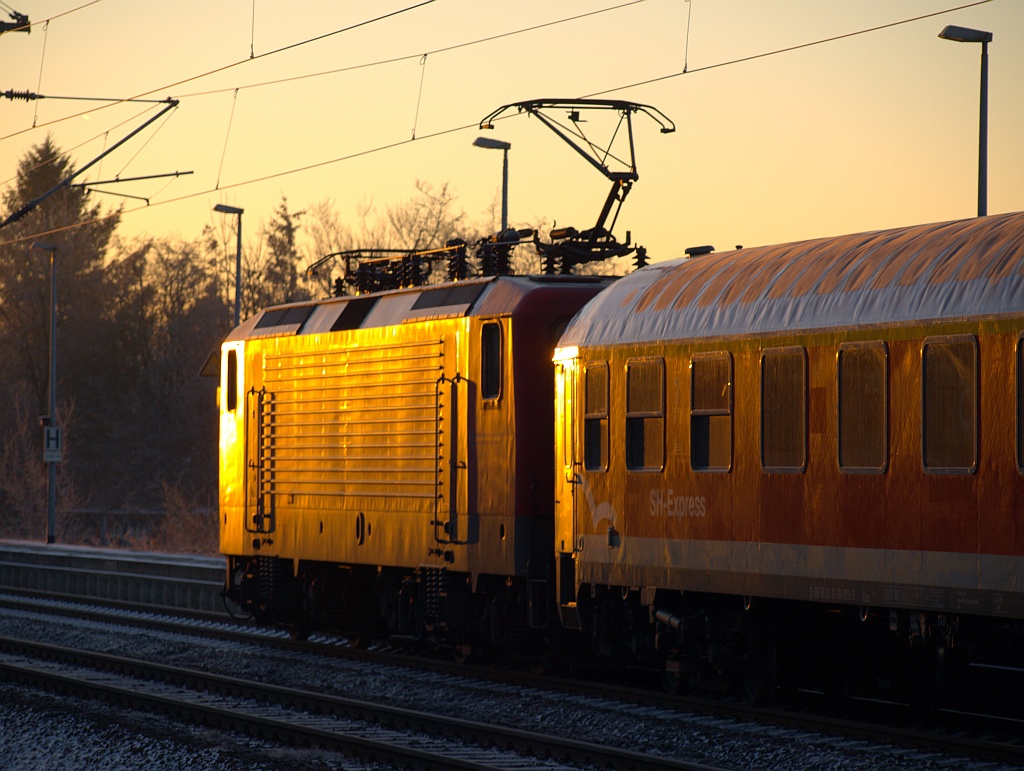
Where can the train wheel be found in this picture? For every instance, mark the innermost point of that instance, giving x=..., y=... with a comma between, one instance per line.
x=673, y=679
x=927, y=675
x=758, y=670
x=462, y=654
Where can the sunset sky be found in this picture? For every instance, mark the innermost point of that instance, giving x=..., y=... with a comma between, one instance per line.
x=866, y=131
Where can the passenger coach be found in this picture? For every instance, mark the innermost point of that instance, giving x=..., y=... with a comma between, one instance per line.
x=815, y=445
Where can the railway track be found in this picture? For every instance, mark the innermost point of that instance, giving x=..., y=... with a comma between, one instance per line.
x=997, y=739
x=388, y=734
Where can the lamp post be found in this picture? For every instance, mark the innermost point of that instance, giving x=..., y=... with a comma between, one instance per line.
x=51, y=433
x=225, y=209
x=967, y=35
x=497, y=144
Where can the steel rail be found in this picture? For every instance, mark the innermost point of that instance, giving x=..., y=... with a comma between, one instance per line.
x=942, y=731
x=959, y=735
x=296, y=729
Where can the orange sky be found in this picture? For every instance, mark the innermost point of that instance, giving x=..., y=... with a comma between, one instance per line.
x=870, y=131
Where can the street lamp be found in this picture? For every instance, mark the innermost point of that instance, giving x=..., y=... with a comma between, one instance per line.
x=51, y=432
x=966, y=35
x=225, y=209
x=497, y=144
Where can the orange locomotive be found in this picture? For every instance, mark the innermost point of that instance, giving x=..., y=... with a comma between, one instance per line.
x=386, y=458
x=815, y=446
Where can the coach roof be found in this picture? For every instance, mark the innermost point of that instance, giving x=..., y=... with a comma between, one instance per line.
x=967, y=268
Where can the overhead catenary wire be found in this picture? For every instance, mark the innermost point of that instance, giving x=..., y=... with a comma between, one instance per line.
x=473, y=126
x=419, y=96
x=788, y=49
x=252, y=33
x=407, y=57
x=61, y=14
x=150, y=138
x=686, y=47
x=227, y=135
x=234, y=64
x=42, y=60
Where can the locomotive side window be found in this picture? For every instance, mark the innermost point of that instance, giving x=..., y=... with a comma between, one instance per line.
x=863, y=407
x=490, y=361
x=595, y=418
x=784, y=409
x=231, y=381
x=949, y=374
x=645, y=414
x=711, y=412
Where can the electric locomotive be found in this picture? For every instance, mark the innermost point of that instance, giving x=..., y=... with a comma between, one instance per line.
x=804, y=453
x=386, y=459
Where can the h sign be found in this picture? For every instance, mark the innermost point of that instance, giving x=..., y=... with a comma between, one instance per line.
x=53, y=444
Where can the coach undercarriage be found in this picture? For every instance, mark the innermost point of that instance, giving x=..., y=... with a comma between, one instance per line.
x=710, y=642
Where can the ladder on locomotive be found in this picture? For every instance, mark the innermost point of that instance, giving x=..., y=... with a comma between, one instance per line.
x=260, y=514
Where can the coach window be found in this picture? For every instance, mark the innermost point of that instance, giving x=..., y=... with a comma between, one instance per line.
x=711, y=412
x=645, y=414
x=595, y=418
x=1020, y=403
x=231, y=381
x=949, y=375
x=784, y=409
x=863, y=407
x=490, y=361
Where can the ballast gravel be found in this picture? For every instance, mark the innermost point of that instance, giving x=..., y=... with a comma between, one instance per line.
x=42, y=731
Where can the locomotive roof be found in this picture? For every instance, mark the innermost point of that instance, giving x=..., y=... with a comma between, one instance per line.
x=493, y=295
x=966, y=268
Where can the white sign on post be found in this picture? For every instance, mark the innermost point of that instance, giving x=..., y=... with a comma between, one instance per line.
x=53, y=444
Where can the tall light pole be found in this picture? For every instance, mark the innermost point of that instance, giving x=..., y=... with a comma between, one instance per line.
x=497, y=144
x=225, y=209
x=51, y=433
x=967, y=35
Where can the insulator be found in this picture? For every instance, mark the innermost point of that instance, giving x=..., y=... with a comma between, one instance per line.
x=550, y=263
x=14, y=96
x=457, y=268
x=502, y=262
x=641, y=257
x=415, y=271
x=486, y=255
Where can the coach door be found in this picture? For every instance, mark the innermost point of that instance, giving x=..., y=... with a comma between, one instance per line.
x=567, y=465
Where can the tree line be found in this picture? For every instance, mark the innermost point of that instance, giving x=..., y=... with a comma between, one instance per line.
x=137, y=319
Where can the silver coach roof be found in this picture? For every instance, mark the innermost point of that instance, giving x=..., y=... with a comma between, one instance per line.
x=967, y=268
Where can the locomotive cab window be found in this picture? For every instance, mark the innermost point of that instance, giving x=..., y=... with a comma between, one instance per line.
x=595, y=417
x=784, y=409
x=645, y=414
x=949, y=376
x=711, y=412
x=863, y=407
x=231, y=382
x=491, y=365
